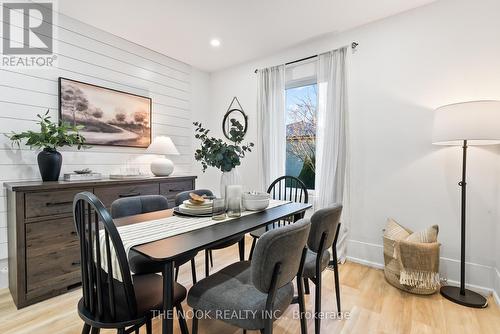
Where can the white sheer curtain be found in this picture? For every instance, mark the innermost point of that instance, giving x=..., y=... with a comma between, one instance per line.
x=271, y=124
x=331, y=139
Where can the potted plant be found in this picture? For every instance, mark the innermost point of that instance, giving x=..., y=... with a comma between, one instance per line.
x=51, y=136
x=215, y=152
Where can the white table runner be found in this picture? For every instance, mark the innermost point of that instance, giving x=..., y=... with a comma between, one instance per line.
x=153, y=230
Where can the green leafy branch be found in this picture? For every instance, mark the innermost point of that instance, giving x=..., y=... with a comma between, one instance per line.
x=51, y=136
x=214, y=152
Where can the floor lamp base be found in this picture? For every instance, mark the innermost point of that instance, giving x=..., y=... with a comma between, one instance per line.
x=470, y=299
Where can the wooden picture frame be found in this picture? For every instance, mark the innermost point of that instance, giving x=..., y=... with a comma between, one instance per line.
x=109, y=117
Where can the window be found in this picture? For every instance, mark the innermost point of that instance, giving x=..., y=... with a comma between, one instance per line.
x=301, y=107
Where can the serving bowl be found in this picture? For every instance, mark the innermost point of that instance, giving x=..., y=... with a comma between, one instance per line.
x=255, y=195
x=255, y=204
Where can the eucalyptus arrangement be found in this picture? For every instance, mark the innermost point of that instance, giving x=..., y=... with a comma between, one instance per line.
x=215, y=152
x=51, y=136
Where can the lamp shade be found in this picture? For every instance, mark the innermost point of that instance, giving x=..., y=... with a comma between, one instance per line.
x=162, y=145
x=478, y=122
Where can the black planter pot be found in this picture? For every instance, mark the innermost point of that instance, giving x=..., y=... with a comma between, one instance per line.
x=49, y=163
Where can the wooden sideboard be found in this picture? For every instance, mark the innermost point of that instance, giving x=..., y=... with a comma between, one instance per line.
x=44, y=255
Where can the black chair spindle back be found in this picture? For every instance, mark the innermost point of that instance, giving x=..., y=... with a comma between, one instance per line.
x=105, y=298
x=288, y=188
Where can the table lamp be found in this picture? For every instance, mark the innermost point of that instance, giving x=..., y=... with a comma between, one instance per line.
x=162, y=145
x=467, y=123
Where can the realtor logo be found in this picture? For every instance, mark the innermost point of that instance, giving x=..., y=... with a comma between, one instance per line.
x=27, y=37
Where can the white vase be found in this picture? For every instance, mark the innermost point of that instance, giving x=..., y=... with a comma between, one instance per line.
x=229, y=178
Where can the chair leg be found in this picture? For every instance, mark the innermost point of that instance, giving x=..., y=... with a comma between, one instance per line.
x=317, y=305
x=86, y=329
x=337, y=282
x=306, y=286
x=302, y=307
x=176, y=273
x=207, y=269
x=137, y=331
x=254, y=241
x=120, y=331
x=182, y=319
x=211, y=259
x=241, y=249
x=95, y=330
x=194, y=329
x=268, y=325
x=149, y=326
x=193, y=270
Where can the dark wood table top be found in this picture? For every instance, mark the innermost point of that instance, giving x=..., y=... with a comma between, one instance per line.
x=172, y=247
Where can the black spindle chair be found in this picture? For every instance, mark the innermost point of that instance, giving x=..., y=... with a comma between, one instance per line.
x=285, y=188
x=124, y=303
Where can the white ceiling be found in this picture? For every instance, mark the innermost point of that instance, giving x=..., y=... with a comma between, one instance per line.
x=248, y=29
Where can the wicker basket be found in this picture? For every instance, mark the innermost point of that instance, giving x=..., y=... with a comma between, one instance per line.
x=392, y=269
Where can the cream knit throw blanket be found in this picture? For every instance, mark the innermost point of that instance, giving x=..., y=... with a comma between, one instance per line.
x=419, y=264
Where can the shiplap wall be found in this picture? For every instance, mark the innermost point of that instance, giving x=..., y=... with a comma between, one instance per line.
x=88, y=54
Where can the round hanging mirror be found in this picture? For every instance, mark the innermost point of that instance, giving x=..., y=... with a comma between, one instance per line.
x=235, y=123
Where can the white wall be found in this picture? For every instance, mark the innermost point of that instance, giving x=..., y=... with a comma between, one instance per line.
x=92, y=55
x=496, y=271
x=222, y=91
x=405, y=66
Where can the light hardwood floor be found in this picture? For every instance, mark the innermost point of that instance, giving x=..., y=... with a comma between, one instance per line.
x=374, y=307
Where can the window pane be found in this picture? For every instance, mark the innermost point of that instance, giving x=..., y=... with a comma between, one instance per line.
x=301, y=106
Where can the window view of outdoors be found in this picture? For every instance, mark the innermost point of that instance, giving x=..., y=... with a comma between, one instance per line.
x=301, y=105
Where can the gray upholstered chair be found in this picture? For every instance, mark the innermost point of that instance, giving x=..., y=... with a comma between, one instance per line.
x=262, y=288
x=325, y=225
x=181, y=197
x=130, y=206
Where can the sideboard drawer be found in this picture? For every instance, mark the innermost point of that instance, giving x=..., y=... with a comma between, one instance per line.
x=49, y=203
x=109, y=194
x=52, y=255
x=171, y=189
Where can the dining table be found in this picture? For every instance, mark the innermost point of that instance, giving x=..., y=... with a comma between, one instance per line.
x=169, y=249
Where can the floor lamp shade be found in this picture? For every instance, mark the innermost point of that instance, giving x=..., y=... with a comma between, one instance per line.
x=467, y=123
x=478, y=122
x=162, y=145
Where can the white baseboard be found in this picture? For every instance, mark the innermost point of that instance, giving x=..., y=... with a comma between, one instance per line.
x=4, y=275
x=485, y=291
x=365, y=253
x=480, y=278
x=496, y=290
x=366, y=262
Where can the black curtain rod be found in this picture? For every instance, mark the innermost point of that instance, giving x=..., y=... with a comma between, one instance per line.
x=353, y=46
x=299, y=60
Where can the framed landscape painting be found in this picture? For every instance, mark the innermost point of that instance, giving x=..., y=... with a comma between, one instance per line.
x=108, y=117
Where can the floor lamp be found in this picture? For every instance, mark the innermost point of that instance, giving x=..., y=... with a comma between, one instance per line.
x=468, y=123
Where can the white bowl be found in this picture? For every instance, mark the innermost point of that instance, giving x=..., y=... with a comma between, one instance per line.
x=255, y=196
x=255, y=204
